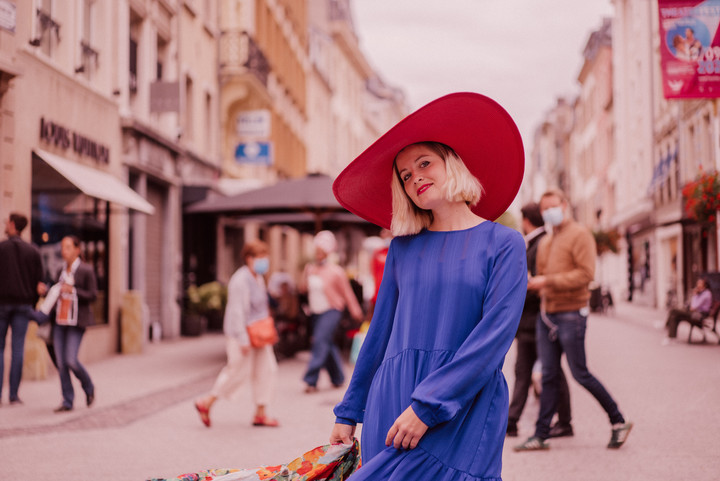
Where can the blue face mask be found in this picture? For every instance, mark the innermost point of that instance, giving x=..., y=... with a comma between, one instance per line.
x=261, y=265
x=553, y=216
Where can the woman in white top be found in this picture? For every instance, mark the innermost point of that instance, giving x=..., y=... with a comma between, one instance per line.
x=329, y=293
x=247, y=302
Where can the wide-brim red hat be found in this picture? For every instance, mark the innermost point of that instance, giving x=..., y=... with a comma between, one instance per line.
x=476, y=127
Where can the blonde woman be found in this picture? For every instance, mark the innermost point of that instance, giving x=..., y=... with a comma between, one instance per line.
x=428, y=384
x=247, y=301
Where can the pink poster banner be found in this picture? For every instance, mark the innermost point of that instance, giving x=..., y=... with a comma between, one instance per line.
x=690, y=48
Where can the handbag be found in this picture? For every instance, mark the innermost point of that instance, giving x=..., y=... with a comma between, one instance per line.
x=263, y=332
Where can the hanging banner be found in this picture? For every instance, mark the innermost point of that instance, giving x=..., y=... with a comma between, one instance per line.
x=690, y=48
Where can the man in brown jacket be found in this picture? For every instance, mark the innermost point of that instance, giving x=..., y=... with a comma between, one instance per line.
x=565, y=267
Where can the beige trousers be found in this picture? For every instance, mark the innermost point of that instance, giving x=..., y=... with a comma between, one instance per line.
x=259, y=365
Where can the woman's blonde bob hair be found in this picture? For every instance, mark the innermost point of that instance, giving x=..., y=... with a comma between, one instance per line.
x=461, y=185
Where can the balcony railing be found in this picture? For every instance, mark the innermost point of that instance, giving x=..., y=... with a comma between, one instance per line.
x=239, y=52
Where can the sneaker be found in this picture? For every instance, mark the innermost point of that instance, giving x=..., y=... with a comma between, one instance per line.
x=620, y=433
x=561, y=430
x=532, y=444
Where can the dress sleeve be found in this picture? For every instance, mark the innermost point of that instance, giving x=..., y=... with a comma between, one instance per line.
x=352, y=408
x=449, y=389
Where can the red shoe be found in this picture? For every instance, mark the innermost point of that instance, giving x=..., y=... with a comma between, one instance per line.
x=265, y=421
x=204, y=412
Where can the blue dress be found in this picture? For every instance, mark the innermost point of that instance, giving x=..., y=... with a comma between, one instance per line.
x=446, y=314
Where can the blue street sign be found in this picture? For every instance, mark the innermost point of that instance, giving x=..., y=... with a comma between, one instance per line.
x=254, y=153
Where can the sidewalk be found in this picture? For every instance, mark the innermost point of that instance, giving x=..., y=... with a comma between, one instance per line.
x=127, y=387
x=132, y=386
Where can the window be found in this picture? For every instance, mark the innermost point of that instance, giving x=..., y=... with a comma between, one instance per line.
x=188, y=127
x=57, y=214
x=161, y=55
x=88, y=55
x=133, y=80
x=208, y=124
x=47, y=30
x=135, y=29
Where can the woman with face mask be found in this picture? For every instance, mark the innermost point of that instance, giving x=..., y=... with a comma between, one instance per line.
x=329, y=293
x=247, y=302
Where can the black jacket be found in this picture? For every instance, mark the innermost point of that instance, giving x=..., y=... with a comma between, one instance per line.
x=526, y=329
x=86, y=289
x=20, y=271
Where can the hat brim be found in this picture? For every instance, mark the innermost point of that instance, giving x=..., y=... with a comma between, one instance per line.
x=476, y=127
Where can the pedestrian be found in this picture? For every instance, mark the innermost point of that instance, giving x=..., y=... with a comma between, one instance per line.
x=247, y=302
x=428, y=384
x=565, y=267
x=698, y=309
x=534, y=230
x=73, y=313
x=329, y=293
x=20, y=283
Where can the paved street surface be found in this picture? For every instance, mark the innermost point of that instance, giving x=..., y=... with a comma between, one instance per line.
x=143, y=423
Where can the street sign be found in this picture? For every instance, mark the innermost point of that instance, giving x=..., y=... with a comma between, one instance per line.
x=253, y=124
x=259, y=153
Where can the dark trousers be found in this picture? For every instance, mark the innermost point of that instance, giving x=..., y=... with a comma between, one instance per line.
x=676, y=316
x=571, y=327
x=526, y=357
x=14, y=317
x=66, y=340
x=325, y=353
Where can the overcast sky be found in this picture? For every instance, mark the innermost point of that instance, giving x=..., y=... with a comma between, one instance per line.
x=522, y=53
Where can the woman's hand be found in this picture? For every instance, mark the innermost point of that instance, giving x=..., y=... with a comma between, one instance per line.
x=406, y=431
x=342, y=433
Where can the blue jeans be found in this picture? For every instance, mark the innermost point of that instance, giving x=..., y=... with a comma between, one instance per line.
x=324, y=352
x=66, y=340
x=571, y=326
x=16, y=317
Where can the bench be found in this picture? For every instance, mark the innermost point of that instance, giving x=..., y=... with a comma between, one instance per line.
x=706, y=322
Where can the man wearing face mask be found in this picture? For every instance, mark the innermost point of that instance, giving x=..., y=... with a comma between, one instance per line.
x=247, y=302
x=565, y=268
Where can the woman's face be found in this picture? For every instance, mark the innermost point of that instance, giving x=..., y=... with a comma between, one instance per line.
x=423, y=176
x=68, y=250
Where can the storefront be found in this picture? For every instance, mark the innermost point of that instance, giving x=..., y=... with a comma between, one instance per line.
x=68, y=171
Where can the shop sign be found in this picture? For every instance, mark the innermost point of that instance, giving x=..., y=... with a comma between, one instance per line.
x=690, y=48
x=253, y=123
x=63, y=138
x=8, y=15
x=165, y=97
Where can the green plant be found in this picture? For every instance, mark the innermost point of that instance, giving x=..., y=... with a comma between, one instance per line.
x=606, y=240
x=211, y=296
x=702, y=197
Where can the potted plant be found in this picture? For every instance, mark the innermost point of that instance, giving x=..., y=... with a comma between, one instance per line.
x=607, y=241
x=702, y=197
x=204, y=307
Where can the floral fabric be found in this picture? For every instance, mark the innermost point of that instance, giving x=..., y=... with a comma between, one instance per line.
x=331, y=462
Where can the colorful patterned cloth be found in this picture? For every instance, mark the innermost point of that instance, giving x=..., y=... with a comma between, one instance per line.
x=332, y=462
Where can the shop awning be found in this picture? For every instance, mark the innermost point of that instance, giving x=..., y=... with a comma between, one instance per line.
x=96, y=183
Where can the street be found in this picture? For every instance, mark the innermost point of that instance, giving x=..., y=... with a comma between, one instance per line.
x=144, y=425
